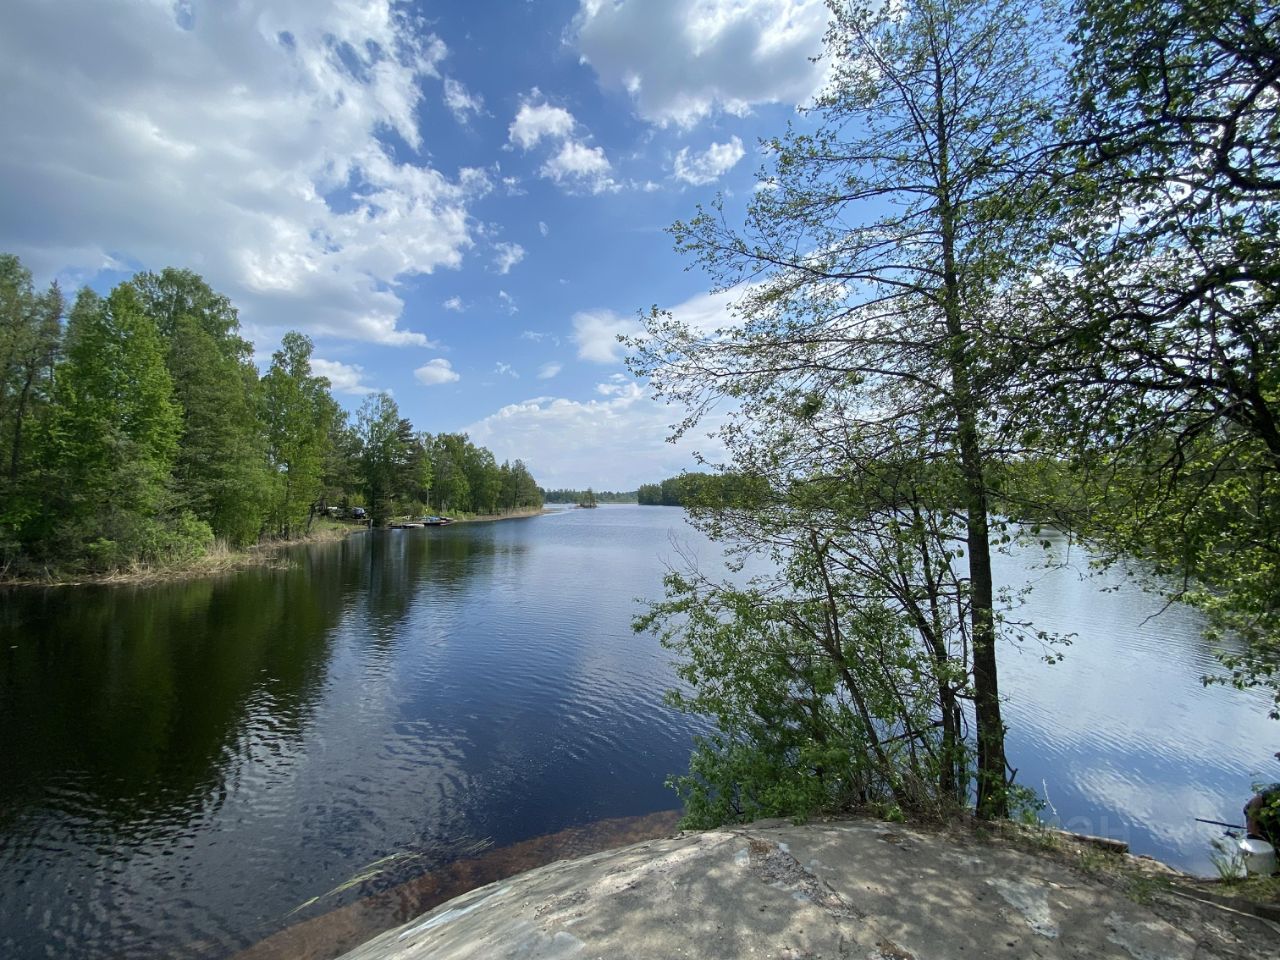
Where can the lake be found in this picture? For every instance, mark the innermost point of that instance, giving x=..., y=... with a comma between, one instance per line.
x=189, y=768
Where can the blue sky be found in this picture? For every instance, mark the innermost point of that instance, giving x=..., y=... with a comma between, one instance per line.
x=462, y=203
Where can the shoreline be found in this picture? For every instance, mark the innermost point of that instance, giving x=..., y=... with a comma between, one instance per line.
x=222, y=560
x=514, y=515
x=217, y=561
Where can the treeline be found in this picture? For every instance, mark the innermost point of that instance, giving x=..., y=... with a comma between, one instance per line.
x=701, y=489
x=1024, y=264
x=135, y=428
x=579, y=496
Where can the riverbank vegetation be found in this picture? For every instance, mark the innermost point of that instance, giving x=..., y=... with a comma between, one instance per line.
x=725, y=488
x=1025, y=266
x=136, y=433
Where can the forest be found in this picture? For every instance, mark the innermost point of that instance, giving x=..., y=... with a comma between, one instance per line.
x=705, y=490
x=1018, y=271
x=565, y=495
x=136, y=430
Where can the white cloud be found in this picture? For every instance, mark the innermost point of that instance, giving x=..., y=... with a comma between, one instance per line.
x=455, y=304
x=682, y=61
x=613, y=443
x=549, y=370
x=596, y=334
x=537, y=336
x=700, y=169
x=537, y=121
x=436, y=372
x=619, y=385
x=578, y=164
x=705, y=313
x=507, y=255
x=343, y=377
x=543, y=228
x=242, y=140
x=508, y=302
x=461, y=102
x=505, y=370
x=574, y=165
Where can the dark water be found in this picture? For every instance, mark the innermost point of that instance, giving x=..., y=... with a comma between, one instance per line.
x=183, y=766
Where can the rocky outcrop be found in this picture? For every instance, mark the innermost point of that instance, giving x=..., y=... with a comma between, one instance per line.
x=841, y=889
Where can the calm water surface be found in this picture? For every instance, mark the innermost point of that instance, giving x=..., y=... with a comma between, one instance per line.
x=183, y=767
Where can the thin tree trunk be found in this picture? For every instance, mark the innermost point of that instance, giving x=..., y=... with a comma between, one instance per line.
x=15, y=458
x=992, y=795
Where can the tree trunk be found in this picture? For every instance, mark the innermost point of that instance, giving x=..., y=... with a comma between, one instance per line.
x=992, y=796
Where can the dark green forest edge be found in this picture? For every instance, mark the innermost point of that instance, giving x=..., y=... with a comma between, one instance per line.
x=136, y=434
x=578, y=496
x=1024, y=275
x=700, y=489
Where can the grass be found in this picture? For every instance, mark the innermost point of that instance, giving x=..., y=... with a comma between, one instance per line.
x=1141, y=880
x=220, y=558
x=1258, y=889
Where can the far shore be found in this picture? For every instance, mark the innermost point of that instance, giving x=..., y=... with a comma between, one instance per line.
x=490, y=517
x=222, y=559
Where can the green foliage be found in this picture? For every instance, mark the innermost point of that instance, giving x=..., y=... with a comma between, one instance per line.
x=1159, y=377
x=869, y=361
x=144, y=433
x=708, y=490
x=220, y=473
x=30, y=337
x=565, y=495
x=297, y=412
x=110, y=443
x=466, y=478
x=827, y=689
x=390, y=456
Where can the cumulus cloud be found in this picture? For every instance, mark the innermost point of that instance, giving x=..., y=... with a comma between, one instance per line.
x=682, y=61
x=615, y=442
x=536, y=121
x=461, y=102
x=700, y=169
x=549, y=370
x=506, y=256
x=596, y=334
x=435, y=372
x=543, y=228
x=455, y=304
x=505, y=370
x=619, y=385
x=242, y=140
x=577, y=163
x=343, y=377
x=573, y=164
x=508, y=302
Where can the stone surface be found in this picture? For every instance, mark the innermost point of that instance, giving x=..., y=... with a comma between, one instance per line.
x=856, y=889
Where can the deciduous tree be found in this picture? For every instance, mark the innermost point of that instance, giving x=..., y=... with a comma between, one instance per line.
x=871, y=280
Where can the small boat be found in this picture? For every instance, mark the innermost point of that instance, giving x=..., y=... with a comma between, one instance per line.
x=436, y=521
